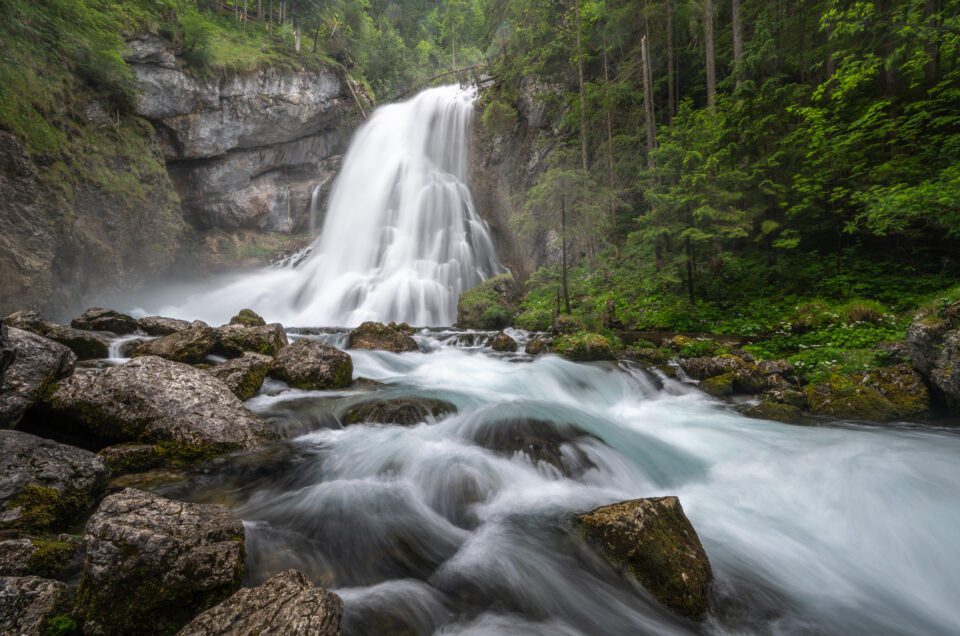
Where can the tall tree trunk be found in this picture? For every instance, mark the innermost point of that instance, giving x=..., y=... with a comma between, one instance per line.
x=613, y=208
x=316, y=34
x=671, y=94
x=270, y=17
x=236, y=9
x=260, y=10
x=647, y=101
x=930, y=22
x=831, y=61
x=690, y=268
x=888, y=72
x=296, y=37
x=583, y=105
x=711, y=68
x=737, y=40
x=563, y=250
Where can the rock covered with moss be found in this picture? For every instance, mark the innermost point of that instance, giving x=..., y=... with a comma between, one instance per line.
x=161, y=326
x=776, y=412
x=244, y=375
x=153, y=563
x=401, y=411
x=376, y=335
x=311, y=364
x=248, y=318
x=285, y=604
x=28, y=321
x=191, y=346
x=100, y=319
x=880, y=395
x=150, y=399
x=653, y=540
x=28, y=604
x=490, y=305
x=536, y=347
x=37, y=557
x=39, y=363
x=503, y=343
x=46, y=485
x=934, y=347
x=583, y=347
x=131, y=458
x=719, y=385
x=234, y=340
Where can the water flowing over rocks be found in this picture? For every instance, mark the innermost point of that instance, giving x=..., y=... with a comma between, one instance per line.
x=243, y=375
x=39, y=363
x=376, y=335
x=150, y=399
x=100, y=319
x=309, y=364
x=45, y=484
x=400, y=411
x=234, y=340
x=28, y=603
x=191, y=346
x=160, y=326
x=286, y=604
x=153, y=563
x=653, y=540
x=539, y=440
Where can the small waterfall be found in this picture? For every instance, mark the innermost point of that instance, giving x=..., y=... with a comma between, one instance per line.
x=314, y=200
x=401, y=238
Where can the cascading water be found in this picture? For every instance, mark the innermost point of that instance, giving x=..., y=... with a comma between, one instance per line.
x=401, y=238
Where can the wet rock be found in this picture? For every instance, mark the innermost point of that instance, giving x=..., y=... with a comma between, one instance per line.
x=490, y=305
x=776, y=412
x=15, y=557
x=153, y=563
x=39, y=363
x=653, y=540
x=503, y=342
x=375, y=335
x=286, y=604
x=400, y=411
x=150, y=399
x=718, y=386
x=584, y=348
x=711, y=366
x=778, y=367
x=935, y=352
x=234, y=340
x=7, y=353
x=880, y=395
x=160, y=326
x=127, y=348
x=87, y=345
x=38, y=557
x=131, y=458
x=243, y=375
x=248, y=318
x=27, y=320
x=403, y=328
x=536, y=347
x=786, y=396
x=310, y=364
x=28, y=603
x=100, y=319
x=539, y=440
x=45, y=485
x=776, y=381
x=191, y=346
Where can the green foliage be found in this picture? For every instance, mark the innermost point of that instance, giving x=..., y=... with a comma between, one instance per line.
x=62, y=625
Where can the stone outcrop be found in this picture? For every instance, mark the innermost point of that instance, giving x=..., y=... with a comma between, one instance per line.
x=536, y=347
x=653, y=540
x=160, y=326
x=7, y=352
x=153, y=564
x=131, y=458
x=248, y=318
x=233, y=339
x=150, y=399
x=376, y=335
x=45, y=485
x=37, y=557
x=28, y=321
x=934, y=347
x=39, y=362
x=244, y=376
x=191, y=346
x=100, y=319
x=400, y=411
x=285, y=604
x=583, y=347
x=885, y=394
x=493, y=304
x=85, y=344
x=310, y=364
x=28, y=603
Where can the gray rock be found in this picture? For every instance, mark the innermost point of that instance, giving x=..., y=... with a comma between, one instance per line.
x=28, y=603
x=243, y=375
x=191, y=346
x=38, y=557
x=26, y=320
x=127, y=348
x=160, y=326
x=503, y=342
x=39, y=363
x=286, y=604
x=153, y=563
x=233, y=340
x=376, y=335
x=15, y=556
x=400, y=411
x=310, y=364
x=86, y=344
x=100, y=319
x=154, y=400
x=45, y=484
x=778, y=367
x=7, y=352
x=146, y=48
x=536, y=347
x=935, y=353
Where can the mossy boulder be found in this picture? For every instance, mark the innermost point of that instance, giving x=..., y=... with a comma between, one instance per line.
x=503, y=343
x=248, y=318
x=376, y=335
x=30, y=556
x=311, y=364
x=234, y=340
x=903, y=387
x=161, y=326
x=401, y=411
x=85, y=344
x=934, y=347
x=652, y=540
x=879, y=395
x=776, y=412
x=131, y=458
x=190, y=346
x=786, y=396
x=38, y=364
x=490, y=305
x=710, y=366
x=243, y=375
x=536, y=347
x=100, y=319
x=584, y=347
x=153, y=564
x=718, y=386
x=28, y=321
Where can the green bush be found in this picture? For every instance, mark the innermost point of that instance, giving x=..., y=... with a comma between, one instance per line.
x=495, y=317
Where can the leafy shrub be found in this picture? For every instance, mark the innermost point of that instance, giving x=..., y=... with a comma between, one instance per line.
x=862, y=311
x=495, y=317
x=498, y=117
x=535, y=320
x=197, y=37
x=698, y=348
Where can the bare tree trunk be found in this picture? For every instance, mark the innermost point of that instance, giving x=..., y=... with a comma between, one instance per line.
x=270, y=17
x=831, y=61
x=563, y=250
x=647, y=101
x=737, y=40
x=296, y=38
x=671, y=94
x=260, y=10
x=930, y=22
x=690, y=290
x=316, y=35
x=236, y=9
x=613, y=208
x=711, y=68
x=583, y=106
x=889, y=72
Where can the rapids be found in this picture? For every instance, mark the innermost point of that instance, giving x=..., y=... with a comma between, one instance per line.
x=834, y=529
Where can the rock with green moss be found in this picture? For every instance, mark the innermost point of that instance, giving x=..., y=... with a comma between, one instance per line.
x=161, y=326
x=934, y=347
x=490, y=305
x=151, y=400
x=235, y=340
x=718, y=386
x=131, y=458
x=190, y=346
x=28, y=604
x=46, y=485
x=38, y=364
x=776, y=412
x=28, y=556
x=287, y=603
x=584, y=347
x=401, y=411
x=786, y=396
x=711, y=366
x=86, y=344
x=653, y=540
x=565, y=324
x=100, y=319
x=902, y=386
x=248, y=318
x=28, y=321
x=311, y=364
x=153, y=564
x=243, y=375
x=879, y=394
x=504, y=343
x=536, y=347
x=378, y=336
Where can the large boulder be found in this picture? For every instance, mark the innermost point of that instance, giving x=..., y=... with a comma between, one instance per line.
x=286, y=604
x=536, y=347
x=653, y=540
x=776, y=412
x=490, y=305
x=539, y=440
x=401, y=411
x=934, y=347
x=191, y=346
x=39, y=363
x=28, y=321
x=7, y=353
x=233, y=340
x=376, y=335
x=86, y=344
x=711, y=366
x=311, y=364
x=100, y=319
x=880, y=394
x=45, y=485
x=583, y=347
x=150, y=399
x=504, y=343
x=153, y=563
x=248, y=318
x=29, y=604
x=160, y=326
x=243, y=375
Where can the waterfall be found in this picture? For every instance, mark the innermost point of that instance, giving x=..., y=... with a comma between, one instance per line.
x=314, y=205
x=401, y=238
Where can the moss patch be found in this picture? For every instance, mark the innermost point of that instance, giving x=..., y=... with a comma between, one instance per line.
x=45, y=509
x=490, y=305
x=584, y=347
x=50, y=557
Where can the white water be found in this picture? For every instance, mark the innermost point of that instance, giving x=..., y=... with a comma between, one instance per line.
x=401, y=238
